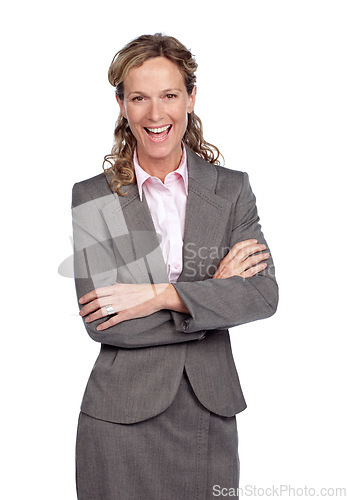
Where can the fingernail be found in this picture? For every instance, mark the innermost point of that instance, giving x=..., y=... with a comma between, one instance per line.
x=81, y=300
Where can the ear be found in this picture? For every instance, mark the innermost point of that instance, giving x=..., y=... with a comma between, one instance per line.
x=191, y=100
x=122, y=107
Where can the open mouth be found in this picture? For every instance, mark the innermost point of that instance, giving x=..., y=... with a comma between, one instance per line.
x=158, y=133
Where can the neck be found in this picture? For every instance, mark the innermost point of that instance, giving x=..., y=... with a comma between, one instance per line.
x=159, y=167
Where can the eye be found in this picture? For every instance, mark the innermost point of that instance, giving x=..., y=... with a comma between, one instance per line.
x=171, y=96
x=138, y=98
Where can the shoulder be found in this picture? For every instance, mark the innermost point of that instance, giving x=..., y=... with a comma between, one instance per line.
x=228, y=182
x=229, y=175
x=94, y=188
x=224, y=182
x=232, y=184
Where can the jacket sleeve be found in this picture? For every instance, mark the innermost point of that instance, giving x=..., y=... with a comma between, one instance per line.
x=95, y=266
x=224, y=303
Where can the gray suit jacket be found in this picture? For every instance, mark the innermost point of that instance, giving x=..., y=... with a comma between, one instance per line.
x=138, y=370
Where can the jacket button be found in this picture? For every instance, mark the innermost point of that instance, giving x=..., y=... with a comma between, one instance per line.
x=185, y=324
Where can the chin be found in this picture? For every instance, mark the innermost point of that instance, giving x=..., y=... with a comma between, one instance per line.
x=158, y=151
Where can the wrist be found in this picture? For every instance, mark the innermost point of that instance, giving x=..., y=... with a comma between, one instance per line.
x=168, y=298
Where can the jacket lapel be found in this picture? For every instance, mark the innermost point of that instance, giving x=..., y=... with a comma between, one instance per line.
x=206, y=217
x=134, y=236
x=132, y=229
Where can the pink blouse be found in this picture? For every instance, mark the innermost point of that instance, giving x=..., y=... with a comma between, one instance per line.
x=167, y=203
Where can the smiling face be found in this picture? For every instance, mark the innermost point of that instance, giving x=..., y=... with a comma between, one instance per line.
x=156, y=103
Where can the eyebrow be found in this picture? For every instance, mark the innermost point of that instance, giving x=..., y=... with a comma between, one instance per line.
x=162, y=91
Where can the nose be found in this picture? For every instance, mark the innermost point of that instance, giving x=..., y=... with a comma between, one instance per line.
x=155, y=111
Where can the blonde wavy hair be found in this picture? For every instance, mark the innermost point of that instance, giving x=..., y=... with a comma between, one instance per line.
x=120, y=161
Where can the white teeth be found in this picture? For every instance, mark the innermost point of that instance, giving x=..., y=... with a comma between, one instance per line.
x=158, y=130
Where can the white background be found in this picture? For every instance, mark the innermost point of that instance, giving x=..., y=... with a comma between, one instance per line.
x=272, y=86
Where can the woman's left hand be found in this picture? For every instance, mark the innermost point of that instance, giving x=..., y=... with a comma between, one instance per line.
x=129, y=301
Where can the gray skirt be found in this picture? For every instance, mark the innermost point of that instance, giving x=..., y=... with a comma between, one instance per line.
x=184, y=453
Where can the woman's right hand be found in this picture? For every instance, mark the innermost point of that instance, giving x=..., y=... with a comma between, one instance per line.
x=240, y=260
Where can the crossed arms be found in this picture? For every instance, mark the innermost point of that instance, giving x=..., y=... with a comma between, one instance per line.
x=243, y=288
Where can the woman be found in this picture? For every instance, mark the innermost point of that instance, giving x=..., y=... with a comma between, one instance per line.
x=168, y=254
